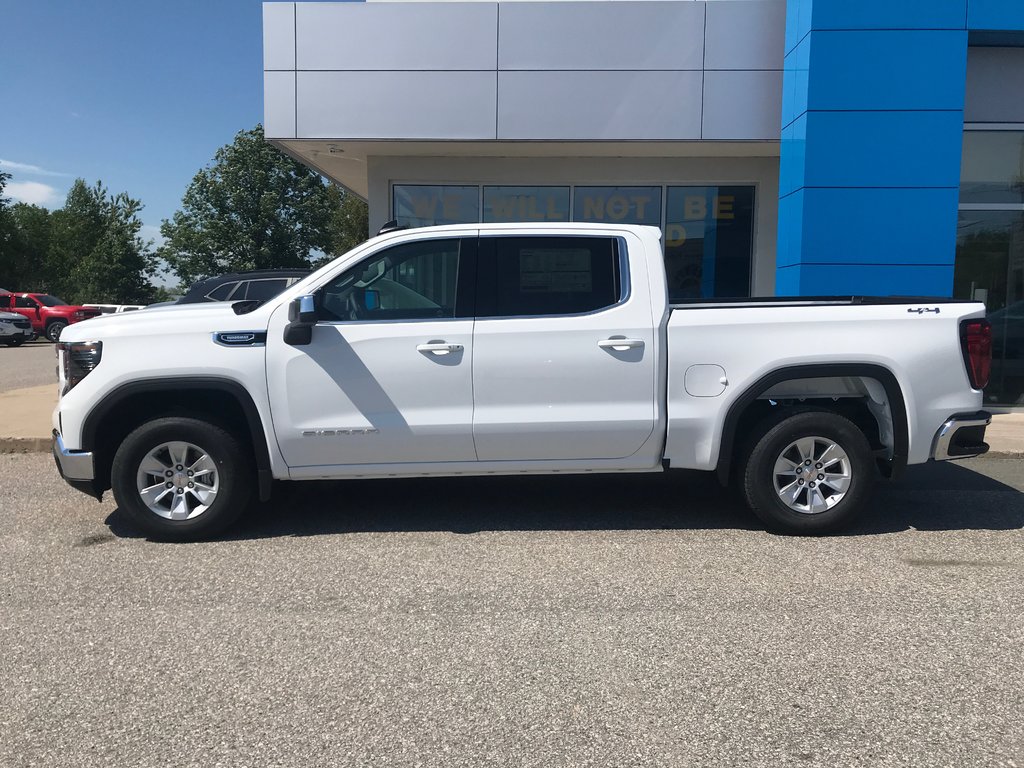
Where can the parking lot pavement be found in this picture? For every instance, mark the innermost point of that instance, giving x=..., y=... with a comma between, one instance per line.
x=29, y=365
x=588, y=621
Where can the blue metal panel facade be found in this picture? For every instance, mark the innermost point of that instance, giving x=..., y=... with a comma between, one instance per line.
x=873, y=99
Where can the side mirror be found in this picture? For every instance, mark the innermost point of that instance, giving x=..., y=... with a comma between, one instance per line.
x=301, y=319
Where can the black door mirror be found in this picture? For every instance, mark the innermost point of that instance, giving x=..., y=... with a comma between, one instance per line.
x=301, y=319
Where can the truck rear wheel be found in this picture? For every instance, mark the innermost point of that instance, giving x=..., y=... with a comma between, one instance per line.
x=809, y=473
x=182, y=479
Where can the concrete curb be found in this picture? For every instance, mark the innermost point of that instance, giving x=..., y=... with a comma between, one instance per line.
x=25, y=444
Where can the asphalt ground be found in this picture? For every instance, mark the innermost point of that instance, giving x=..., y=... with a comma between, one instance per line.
x=557, y=621
x=30, y=365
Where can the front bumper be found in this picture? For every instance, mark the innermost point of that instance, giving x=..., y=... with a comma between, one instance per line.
x=962, y=436
x=11, y=332
x=76, y=467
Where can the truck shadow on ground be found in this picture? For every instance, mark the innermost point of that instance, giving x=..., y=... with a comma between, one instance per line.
x=930, y=497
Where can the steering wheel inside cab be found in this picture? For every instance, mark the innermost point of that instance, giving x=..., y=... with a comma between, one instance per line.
x=351, y=298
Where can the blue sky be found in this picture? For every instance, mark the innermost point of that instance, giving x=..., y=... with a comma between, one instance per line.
x=138, y=94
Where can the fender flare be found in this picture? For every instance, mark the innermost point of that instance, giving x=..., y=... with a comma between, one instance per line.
x=257, y=434
x=885, y=377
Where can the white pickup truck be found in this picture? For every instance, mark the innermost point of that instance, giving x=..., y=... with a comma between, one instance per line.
x=514, y=349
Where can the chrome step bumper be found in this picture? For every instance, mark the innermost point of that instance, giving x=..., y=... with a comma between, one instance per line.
x=962, y=436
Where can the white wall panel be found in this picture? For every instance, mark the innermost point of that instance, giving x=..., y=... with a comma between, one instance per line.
x=279, y=105
x=745, y=34
x=634, y=34
x=396, y=105
x=742, y=105
x=599, y=105
x=391, y=36
x=279, y=36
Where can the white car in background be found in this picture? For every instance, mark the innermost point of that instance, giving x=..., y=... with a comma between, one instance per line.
x=15, y=329
x=115, y=309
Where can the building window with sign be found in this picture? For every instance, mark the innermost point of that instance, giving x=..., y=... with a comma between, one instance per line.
x=618, y=205
x=425, y=205
x=708, y=240
x=507, y=204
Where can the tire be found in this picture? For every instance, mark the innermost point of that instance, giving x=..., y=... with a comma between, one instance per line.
x=220, y=489
x=54, y=329
x=782, y=453
x=16, y=341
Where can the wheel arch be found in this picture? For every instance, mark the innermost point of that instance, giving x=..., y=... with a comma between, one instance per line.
x=130, y=405
x=742, y=406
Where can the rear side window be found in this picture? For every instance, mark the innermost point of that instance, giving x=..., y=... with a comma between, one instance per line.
x=530, y=276
x=24, y=302
x=261, y=290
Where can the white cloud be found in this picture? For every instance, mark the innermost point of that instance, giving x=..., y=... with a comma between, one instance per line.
x=32, y=192
x=28, y=168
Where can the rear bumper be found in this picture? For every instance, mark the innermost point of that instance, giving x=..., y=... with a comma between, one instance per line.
x=962, y=436
x=77, y=468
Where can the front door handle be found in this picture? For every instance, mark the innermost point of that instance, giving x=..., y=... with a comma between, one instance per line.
x=438, y=348
x=620, y=344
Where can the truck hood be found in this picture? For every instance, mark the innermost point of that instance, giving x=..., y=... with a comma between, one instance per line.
x=210, y=317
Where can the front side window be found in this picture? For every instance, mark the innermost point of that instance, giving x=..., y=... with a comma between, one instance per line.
x=412, y=281
x=221, y=292
x=530, y=276
x=51, y=301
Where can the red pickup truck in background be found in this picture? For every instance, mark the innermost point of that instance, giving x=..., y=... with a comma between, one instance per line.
x=48, y=314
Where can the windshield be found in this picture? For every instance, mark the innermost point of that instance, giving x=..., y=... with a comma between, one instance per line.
x=50, y=301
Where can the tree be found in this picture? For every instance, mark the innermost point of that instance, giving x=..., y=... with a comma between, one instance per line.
x=350, y=222
x=28, y=253
x=95, y=251
x=252, y=208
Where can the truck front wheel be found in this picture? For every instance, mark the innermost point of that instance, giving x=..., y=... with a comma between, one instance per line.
x=809, y=473
x=53, y=330
x=182, y=479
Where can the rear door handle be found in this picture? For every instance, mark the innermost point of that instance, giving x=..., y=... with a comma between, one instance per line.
x=620, y=344
x=438, y=348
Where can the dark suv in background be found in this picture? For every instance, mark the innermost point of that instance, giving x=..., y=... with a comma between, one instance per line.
x=259, y=284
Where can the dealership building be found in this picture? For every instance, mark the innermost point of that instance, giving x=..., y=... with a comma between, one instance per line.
x=808, y=147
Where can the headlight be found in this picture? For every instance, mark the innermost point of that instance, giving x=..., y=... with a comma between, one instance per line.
x=78, y=359
x=5, y=321
x=78, y=313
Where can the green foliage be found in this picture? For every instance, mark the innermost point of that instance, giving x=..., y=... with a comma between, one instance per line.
x=349, y=225
x=27, y=250
x=252, y=208
x=87, y=251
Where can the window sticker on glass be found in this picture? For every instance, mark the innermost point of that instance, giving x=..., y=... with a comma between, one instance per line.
x=555, y=270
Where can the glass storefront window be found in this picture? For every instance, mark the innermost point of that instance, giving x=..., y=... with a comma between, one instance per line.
x=618, y=205
x=708, y=240
x=990, y=268
x=422, y=205
x=992, y=168
x=708, y=230
x=526, y=204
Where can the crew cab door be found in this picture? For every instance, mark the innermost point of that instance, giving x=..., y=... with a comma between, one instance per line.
x=387, y=376
x=29, y=308
x=564, y=349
